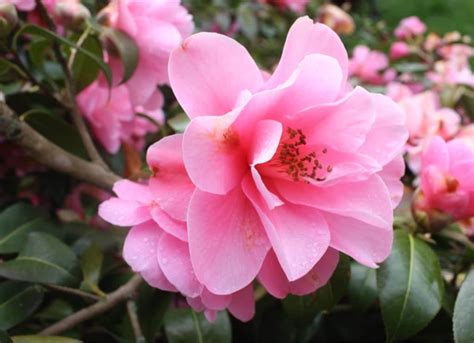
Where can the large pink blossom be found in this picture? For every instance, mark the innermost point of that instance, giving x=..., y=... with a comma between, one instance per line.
x=367, y=65
x=297, y=166
x=447, y=185
x=22, y=5
x=157, y=27
x=113, y=118
x=409, y=28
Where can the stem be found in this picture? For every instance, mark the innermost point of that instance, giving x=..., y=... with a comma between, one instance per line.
x=73, y=291
x=70, y=93
x=197, y=326
x=132, y=314
x=79, y=43
x=50, y=154
x=114, y=298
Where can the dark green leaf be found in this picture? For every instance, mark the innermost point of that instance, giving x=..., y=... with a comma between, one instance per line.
x=4, y=338
x=301, y=308
x=362, y=287
x=43, y=339
x=56, y=130
x=15, y=223
x=126, y=49
x=410, y=286
x=463, y=318
x=91, y=265
x=186, y=326
x=152, y=307
x=44, y=259
x=6, y=65
x=83, y=71
x=39, y=31
x=18, y=301
x=330, y=294
x=38, y=49
x=56, y=310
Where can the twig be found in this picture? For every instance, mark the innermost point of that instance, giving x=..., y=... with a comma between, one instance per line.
x=70, y=92
x=114, y=298
x=50, y=154
x=132, y=315
x=73, y=291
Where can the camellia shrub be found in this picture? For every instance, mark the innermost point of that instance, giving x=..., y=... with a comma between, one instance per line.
x=255, y=171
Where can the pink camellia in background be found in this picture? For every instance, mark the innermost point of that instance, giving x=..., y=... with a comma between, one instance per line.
x=399, y=50
x=22, y=5
x=447, y=185
x=157, y=27
x=297, y=6
x=410, y=27
x=368, y=65
x=113, y=120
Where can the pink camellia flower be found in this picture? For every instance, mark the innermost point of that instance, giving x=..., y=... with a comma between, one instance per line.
x=399, y=50
x=113, y=120
x=297, y=6
x=367, y=65
x=287, y=171
x=397, y=91
x=410, y=27
x=447, y=185
x=466, y=134
x=157, y=27
x=426, y=119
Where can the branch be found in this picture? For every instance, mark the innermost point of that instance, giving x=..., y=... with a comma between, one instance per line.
x=51, y=155
x=73, y=291
x=132, y=315
x=70, y=93
x=114, y=298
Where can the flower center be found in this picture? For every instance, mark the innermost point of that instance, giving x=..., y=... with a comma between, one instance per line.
x=297, y=161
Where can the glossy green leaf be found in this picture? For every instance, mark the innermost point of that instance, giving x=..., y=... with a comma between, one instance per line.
x=4, y=338
x=43, y=259
x=126, y=49
x=56, y=130
x=301, y=308
x=330, y=294
x=43, y=339
x=152, y=307
x=18, y=300
x=42, y=32
x=410, y=286
x=15, y=223
x=38, y=50
x=91, y=265
x=185, y=326
x=84, y=73
x=56, y=310
x=463, y=318
x=362, y=287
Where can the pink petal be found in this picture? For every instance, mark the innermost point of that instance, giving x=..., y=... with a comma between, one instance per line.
x=214, y=301
x=299, y=234
x=170, y=182
x=213, y=155
x=436, y=154
x=208, y=73
x=388, y=134
x=154, y=277
x=123, y=212
x=459, y=152
x=242, y=305
x=267, y=137
x=271, y=199
x=226, y=240
x=141, y=246
x=342, y=125
x=464, y=173
x=173, y=257
x=368, y=201
x=304, y=38
x=172, y=226
x=391, y=175
x=367, y=244
x=129, y=190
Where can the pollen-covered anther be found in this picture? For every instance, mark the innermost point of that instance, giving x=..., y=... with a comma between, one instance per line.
x=300, y=165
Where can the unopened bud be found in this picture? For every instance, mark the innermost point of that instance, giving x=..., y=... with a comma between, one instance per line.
x=336, y=18
x=8, y=18
x=429, y=219
x=72, y=14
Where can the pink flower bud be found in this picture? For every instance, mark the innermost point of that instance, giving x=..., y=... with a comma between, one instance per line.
x=8, y=18
x=399, y=50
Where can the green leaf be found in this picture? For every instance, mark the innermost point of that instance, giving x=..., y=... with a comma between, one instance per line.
x=38, y=49
x=18, y=301
x=410, y=287
x=15, y=223
x=330, y=294
x=43, y=259
x=411, y=67
x=42, y=32
x=43, y=339
x=91, y=265
x=56, y=130
x=463, y=318
x=83, y=71
x=362, y=287
x=126, y=49
x=185, y=326
x=6, y=65
x=4, y=338
x=152, y=307
x=179, y=122
x=301, y=308
x=56, y=310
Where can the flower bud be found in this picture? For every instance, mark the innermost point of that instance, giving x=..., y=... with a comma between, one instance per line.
x=71, y=14
x=8, y=18
x=336, y=18
x=429, y=219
